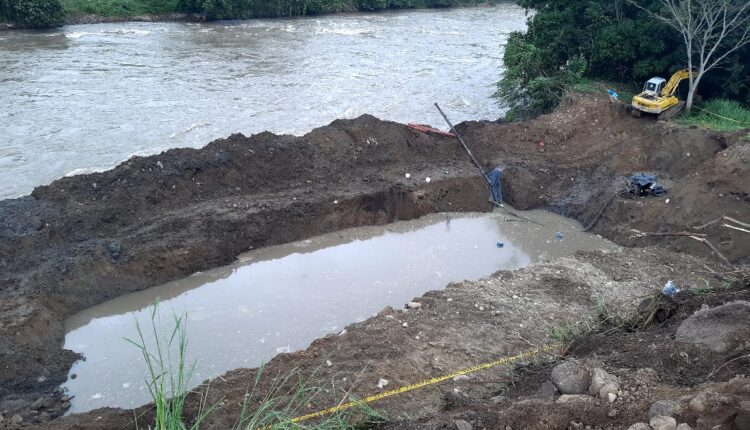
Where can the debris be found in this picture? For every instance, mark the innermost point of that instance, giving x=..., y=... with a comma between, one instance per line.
x=405, y=324
x=427, y=179
x=424, y=128
x=413, y=305
x=574, y=398
x=382, y=383
x=328, y=363
x=500, y=244
x=408, y=175
x=645, y=185
x=559, y=236
x=670, y=289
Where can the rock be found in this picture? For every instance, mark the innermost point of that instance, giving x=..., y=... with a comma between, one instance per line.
x=611, y=397
x=574, y=398
x=328, y=363
x=663, y=423
x=667, y=408
x=612, y=413
x=571, y=377
x=742, y=420
x=640, y=426
x=43, y=403
x=413, y=305
x=382, y=383
x=37, y=224
x=684, y=426
x=702, y=402
x=462, y=425
x=603, y=384
x=722, y=329
x=2, y=418
x=114, y=247
x=459, y=378
x=16, y=419
x=547, y=391
x=44, y=417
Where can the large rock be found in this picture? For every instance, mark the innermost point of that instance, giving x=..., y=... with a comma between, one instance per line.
x=667, y=408
x=572, y=377
x=603, y=384
x=663, y=423
x=722, y=329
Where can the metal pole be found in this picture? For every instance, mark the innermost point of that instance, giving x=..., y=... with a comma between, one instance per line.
x=466, y=148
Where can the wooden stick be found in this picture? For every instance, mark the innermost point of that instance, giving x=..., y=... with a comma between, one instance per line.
x=638, y=233
x=722, y=218
x=735, y=228
x=713, y=249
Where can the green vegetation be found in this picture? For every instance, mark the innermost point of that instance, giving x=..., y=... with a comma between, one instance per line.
x=169, y=376
x=571, y=42
x=32, y=13
x=719, y=114
x=120, y=7
x=52, y=13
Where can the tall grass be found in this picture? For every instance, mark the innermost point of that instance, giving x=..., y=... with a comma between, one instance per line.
x=718, y=114
x=169, y=376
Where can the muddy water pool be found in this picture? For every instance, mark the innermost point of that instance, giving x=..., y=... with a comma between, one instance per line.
x=281, y=298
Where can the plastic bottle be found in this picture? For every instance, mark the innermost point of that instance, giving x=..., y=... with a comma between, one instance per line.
x=670, y=289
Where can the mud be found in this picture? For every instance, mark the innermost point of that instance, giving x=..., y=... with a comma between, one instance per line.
x=85, y=239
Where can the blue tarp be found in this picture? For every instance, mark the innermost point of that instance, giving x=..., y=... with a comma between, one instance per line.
x=645, y=185
x=496, y=186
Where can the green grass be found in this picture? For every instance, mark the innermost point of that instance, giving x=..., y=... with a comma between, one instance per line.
x=735, y=116
x=169, y=377
x=119, y=7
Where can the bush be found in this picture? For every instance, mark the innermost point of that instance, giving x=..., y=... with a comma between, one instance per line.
x=34, y=13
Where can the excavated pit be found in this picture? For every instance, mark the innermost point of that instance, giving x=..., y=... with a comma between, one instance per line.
x=86, y=239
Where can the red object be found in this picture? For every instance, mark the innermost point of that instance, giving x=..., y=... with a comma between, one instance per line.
x=429, y=129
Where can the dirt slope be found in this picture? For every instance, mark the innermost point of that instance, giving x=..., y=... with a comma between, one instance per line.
x=88, y=238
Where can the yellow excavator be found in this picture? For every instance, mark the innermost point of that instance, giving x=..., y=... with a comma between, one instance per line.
x=658, y=97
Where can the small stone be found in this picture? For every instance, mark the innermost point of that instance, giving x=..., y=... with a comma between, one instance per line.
x=611, y=397
x=640, y=426
x=405, y=324
x=612, y=413
x=408, y=175
x=16, y=419
x=2, y=418
x=462, y=425
x=41, y=379
x=44, y=417
x=574, y=398
x=667, y=408
x=461, y=378
x=382, y=383
x=413, y=305
x=73, y=376
x=699, y=404
x=427, y=179
x=328, y=363
x=663, y=423
x=603, y=384
x=684, y=426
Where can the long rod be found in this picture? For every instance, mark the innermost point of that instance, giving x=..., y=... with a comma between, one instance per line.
x=466, y=148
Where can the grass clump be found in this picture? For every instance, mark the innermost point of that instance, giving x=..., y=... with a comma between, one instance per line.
x=119, y=7
x=168, y=376
x=288, y=397
x=718, y=114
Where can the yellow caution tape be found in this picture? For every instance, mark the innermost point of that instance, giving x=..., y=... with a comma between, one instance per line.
x=422, y=384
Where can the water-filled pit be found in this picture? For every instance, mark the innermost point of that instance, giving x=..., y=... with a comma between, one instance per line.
x=281, y=298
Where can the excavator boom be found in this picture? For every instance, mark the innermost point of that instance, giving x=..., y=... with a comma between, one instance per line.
x=674, y=82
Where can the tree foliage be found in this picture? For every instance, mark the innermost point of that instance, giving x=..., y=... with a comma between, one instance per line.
x=614, y=40
x=240, y=9
x=33, y=13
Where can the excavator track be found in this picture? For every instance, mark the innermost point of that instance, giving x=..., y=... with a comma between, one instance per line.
x=672, y=112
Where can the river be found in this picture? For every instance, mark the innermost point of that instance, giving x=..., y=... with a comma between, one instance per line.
x=86, y=97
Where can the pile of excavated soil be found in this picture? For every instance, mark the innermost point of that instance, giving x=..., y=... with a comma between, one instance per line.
x=85, y=239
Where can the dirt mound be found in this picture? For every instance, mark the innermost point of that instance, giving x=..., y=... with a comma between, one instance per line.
x=85, y=239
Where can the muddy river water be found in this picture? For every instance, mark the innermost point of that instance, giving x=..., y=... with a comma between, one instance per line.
x=87, y=97
x=279, y=299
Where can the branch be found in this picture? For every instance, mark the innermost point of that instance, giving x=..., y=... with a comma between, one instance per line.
x=719, y=219
x=694, y=236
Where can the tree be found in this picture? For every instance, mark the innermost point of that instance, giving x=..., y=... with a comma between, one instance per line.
x=710, y=29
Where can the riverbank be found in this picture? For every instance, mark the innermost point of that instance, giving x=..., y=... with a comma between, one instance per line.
x=88, y=238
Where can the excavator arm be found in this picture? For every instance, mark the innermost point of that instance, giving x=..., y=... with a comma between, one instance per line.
x=674, y=82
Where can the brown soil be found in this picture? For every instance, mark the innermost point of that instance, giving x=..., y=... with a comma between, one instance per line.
x=85, y=239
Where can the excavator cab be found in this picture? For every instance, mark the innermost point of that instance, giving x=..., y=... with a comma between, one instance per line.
x=654, y=86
